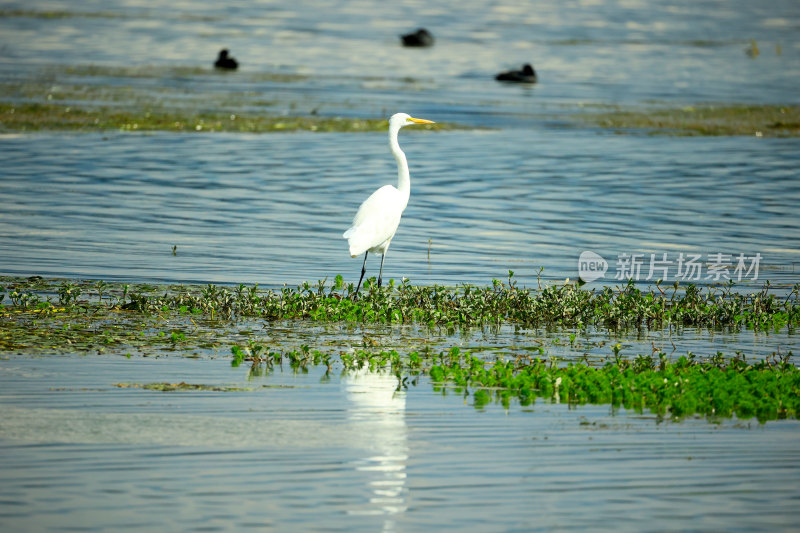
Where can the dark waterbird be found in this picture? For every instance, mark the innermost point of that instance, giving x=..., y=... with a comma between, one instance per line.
x=526, y=75
x=225, y=62
x=421, y=37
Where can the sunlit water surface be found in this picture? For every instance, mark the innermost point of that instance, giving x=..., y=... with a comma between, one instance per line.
x=352, y=453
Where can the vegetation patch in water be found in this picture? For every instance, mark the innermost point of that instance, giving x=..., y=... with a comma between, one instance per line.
x=718, y=387
x=47, y=316
x=567, y=305
x=88, y=98
x=705, y=120
x=42, y=316
x=28, y=117
x=563, y=306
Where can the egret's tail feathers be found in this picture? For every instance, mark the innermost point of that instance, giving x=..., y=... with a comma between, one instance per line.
x=359, y=241
x=350, y=235
x=357, y=248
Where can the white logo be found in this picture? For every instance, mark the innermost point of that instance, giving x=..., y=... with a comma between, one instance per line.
x=591, y=266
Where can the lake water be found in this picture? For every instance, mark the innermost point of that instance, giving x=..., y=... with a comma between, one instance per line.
x=270, y=209
x=353, y=454
x=299, y=452
x=530, y=193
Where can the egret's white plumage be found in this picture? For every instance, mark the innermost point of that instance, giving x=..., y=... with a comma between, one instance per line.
x=377, y=219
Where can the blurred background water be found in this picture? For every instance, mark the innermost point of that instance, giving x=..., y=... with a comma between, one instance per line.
x=530, y=193
x=585, y=51
x=309, y=452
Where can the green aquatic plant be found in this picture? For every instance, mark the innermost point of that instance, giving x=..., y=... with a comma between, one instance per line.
x=55, y=316
x=718, y=387
x=24, y=299
x=504, y=302
x=68, y=293
x=569, y=305
x=85, y=316
x=685, y=387
x=300, y=359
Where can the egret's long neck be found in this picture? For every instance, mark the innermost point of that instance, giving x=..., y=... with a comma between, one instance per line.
x=403, y=178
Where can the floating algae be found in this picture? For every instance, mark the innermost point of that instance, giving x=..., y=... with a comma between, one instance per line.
x=702, y=120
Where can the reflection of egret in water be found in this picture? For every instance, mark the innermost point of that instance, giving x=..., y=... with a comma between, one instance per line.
x=376, y=411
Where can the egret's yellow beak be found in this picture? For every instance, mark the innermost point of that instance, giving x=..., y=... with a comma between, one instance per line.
x=420, y=121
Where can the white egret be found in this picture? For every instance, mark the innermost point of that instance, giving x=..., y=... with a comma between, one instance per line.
x=377, y=219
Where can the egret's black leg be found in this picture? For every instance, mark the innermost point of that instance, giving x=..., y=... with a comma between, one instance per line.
x=380, y=274
x=363, y=271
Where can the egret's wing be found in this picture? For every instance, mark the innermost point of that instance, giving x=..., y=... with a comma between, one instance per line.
x=376, y=220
